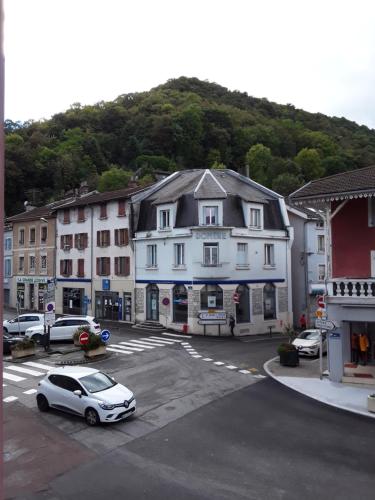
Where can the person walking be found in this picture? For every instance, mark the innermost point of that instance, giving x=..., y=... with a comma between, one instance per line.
x=232, y=323
x=302, y=322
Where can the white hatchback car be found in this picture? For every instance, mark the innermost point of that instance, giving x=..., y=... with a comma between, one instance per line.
x=86, y=392
x=21, y=323
x=308, y=342
x=64, y=328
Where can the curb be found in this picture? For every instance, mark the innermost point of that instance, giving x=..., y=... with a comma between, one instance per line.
x=316, y=398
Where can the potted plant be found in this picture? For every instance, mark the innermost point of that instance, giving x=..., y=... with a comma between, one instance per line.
x=77, y=333
x=23, y=348
x=95, y=346
x=288, y=355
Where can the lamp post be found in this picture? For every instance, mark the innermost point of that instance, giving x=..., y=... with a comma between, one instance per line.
x=47, y=293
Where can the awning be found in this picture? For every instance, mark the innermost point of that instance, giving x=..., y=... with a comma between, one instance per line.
x=317, y=289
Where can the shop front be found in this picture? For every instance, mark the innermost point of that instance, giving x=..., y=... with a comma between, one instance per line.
x=108, y=305
x=73, y=302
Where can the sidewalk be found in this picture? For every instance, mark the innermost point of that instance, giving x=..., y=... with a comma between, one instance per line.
x=305, y=379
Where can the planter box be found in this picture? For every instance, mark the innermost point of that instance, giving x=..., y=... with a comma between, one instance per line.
x=77, y=343
x=96, y=352
x=371, y=403
x=289, y=358
x=22, y=353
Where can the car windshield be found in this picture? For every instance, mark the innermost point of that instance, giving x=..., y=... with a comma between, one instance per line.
x=309, y=335
x=97, y=382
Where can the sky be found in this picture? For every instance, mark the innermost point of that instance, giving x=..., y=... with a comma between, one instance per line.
x=318, y=55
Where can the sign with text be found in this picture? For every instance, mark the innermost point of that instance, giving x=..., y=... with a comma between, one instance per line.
x=212, y=318
x=324, y=324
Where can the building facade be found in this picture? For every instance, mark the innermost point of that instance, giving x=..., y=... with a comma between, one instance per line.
x=210, y=244
x=8, y=264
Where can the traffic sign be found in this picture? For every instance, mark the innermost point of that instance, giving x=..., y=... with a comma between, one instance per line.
x=84, y=338
x=105, y=335
x=49, y=318
x=236, y=298
x=325, y=324
x=320, y=301
x=50, y=307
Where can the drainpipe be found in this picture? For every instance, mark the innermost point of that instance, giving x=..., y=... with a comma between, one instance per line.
x=92, y=261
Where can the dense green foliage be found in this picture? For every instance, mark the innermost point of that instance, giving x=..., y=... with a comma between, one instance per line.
x=185, y=123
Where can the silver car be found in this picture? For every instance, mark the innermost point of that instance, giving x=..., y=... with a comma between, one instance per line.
x=22, y=322
x=308, y=342
x=64, y=328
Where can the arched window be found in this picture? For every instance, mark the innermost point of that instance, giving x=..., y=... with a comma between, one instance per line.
x=243, y=307
x=180, y=304
x=269, y=301
x=211, y=297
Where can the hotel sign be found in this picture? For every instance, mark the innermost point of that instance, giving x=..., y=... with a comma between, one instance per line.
x=32, y=279
x=211, y=235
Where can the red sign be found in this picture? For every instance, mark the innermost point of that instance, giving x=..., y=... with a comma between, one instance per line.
x=236, y=298
x=84, y=338
x=321, y=302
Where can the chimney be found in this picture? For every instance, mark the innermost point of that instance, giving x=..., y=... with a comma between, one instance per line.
x=247, y=170
x=84, y=188
x=28, y=207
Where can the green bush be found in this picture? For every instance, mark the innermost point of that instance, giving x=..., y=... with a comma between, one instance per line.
x=78, y=332
x=94, y=342
x=285, y=348
x=23, y=344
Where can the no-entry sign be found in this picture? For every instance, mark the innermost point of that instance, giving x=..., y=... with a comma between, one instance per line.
x=84, y=338
x=321, y=302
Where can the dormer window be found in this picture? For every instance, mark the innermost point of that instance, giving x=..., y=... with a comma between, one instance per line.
x=255, y=218
x=210, y=215
x=164, y=219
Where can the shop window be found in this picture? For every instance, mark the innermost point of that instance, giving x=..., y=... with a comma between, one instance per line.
x=180, y=304
x=121, y=237
x=103, y=238
x=269, y=301
x=122, y=266
x=243, y=306
x=211, y=297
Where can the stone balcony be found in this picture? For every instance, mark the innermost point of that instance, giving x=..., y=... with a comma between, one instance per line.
x=350, y=289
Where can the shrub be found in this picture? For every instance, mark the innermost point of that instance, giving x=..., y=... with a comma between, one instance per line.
x=94, y=342
x=23, y=344
x=78, y=332
x=285, y=348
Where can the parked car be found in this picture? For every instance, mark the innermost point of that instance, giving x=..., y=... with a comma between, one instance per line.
x=20, y=323
x=63, y=328
x=9, y=341
x=86, y=392
x=308, y=342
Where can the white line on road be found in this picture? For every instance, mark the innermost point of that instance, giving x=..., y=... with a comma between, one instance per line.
x=260, y=376
x=30, y=391
x=149, y=341
x=119, y=350
x=166, y=340
x=196, y=356
x=142, y=343
x=175, y=335
x=219, y=363
x=24, y=370
x=163, y=342
x=126, y=347
x=14, y=378
x=137, y=345
x=207, y=359
x=246, y=372
x=185, y=344
x=9, y=399
x=39, y=365
x=231, y=367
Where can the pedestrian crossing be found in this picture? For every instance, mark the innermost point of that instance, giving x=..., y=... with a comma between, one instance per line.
x=142, y=344
x=23, y=373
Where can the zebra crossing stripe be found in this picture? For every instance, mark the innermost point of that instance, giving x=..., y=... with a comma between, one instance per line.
x=10, y=376
x=246, y=372
x=175, y=335
x=149, y=341
x=119, y=350
x=185, y=343
x=163, y=342
x=196, y=356
x=9, y=399
x=166, y=340
x=260, y=376
x=4, y=385
x=30, y=391
x=206, y=359
x=145, y=344
x=136, y=346
x=126, y=347
x=38, y=365
x=231, y=367
x=218, y=363
x=24, y=370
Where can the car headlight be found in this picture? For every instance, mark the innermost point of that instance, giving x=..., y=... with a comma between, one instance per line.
x=106, y=406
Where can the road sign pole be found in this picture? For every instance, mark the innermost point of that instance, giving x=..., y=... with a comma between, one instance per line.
x=321, y=354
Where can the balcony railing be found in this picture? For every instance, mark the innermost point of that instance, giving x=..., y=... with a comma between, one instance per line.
x=354, y=288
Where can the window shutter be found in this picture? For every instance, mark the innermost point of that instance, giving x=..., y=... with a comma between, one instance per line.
x=116, y=266
x=126, y=236
x=121, y=207
x=70, y=239
x=61, y=267
x=76, y=240
x=103, y=210
x=108, y=238
x=81, y=267
x=85, y=240
x=81, y=214
x=98, y=238
x=98, y=266
x=127, y=266
x=70, y=267
x=108, y=265
x=116, y=237
x=61, y=241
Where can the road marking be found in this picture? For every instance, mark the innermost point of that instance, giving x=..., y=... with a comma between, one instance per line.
x=163, y=342
x=136, y=346
x=4, y=385
x=219, y=363
x=126, y=347
x=9, y=399
x=24, y=370
x=196, y=356
x=10, y=376
x=231, y=367
x=153, y=342
x=246, y=372
x=39, y=365
x=190, y=349
x=260, y=376
x=119, y=350
x=30, y=391
x=166, y=340
x=145, y=344
x=206, y=359
x=175, y=335
x=185, y=343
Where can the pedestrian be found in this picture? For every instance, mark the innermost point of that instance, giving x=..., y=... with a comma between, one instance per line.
x=355, y=348
x=302, y=322
x=232, y=323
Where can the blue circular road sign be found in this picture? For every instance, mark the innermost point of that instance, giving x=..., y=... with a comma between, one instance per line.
x=105, y=335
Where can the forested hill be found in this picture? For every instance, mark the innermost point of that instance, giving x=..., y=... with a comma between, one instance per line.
x=185, y=123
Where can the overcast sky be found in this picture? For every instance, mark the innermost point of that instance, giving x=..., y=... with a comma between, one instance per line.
x=318, y=55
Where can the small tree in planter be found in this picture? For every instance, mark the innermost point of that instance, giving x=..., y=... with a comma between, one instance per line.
x=77, y=333
x=95, y=346
x=26, y=347
x=288, y=355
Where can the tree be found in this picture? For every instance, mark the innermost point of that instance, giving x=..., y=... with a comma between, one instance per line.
x=286, y=183
x=310, y=164
x=259, y=159
x=114, y=178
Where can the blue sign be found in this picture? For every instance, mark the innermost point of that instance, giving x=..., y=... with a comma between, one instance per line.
x=106, y=284
x=335, y=335
x=105, y=335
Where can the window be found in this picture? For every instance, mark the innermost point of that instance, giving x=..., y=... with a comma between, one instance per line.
x=151, y=256
x=121, y=237
x=66, y=267
x=121, y=208
x=81, y=268
x=8, y=244
x=81, y=241
x=371, y=212
x=32, y=263
x=66, y=241
x=103, y=266
x=180, y=304
x=269, y=255
x=210, y=216
x=103, y=211
x=242, y=259
x=179, y=254
x=43, y=262
x=321, y=246
x=269, y=301
x=66, y=216
x=7, y=268
x=81, y=214
x=255, y=218
x=21, y=237
x=210, y=254
x=43, y=235
x=122, y=266
x=319, y=224
x=103, y=238
x=211, y=297
x=321, y=272
x=164, y=219
x=32, y=236
x=21, y=264
x=243, y=306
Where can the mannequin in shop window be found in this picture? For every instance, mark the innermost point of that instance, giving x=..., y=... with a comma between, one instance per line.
x=355, y=347
x=364, y=345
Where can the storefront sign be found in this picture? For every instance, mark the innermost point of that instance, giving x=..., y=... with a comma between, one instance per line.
x=214, y=235
x=212, y=318
x=31, y=279
x=106, y=284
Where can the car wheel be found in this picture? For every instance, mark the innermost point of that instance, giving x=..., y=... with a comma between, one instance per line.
x=37, y=338
x=92, y=417
x=42, y=402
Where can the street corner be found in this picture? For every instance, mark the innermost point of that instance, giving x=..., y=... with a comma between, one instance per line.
x=35, y=452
